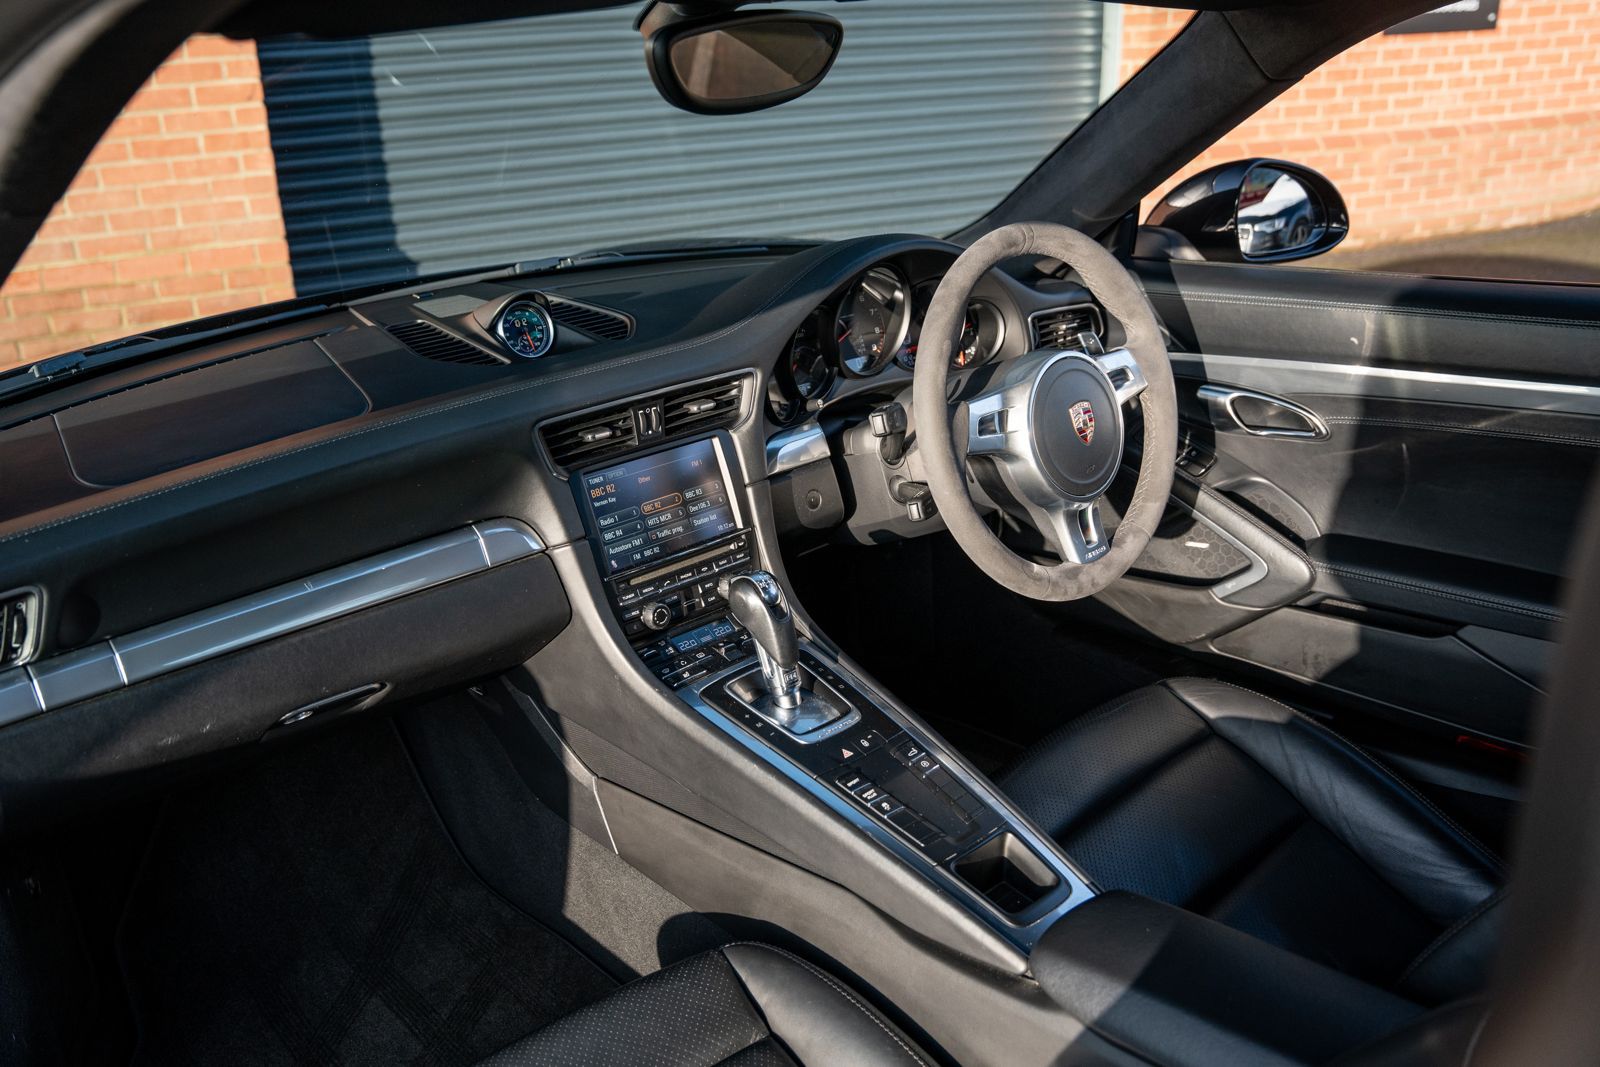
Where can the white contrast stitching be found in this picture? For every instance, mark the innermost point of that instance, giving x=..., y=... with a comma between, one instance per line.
x=1421, y=587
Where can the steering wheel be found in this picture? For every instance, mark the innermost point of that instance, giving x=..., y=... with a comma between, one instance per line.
x=1046, y=435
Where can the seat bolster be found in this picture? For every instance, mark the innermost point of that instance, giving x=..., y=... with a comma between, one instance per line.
x=814, y=1015
x=1458, y=961
x=1412, y=845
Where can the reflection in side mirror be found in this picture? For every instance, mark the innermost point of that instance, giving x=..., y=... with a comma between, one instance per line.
x=1250, y=210
x=740, y=62
x=1275, y=213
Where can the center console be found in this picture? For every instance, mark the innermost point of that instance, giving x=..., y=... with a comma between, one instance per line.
x=681, y=572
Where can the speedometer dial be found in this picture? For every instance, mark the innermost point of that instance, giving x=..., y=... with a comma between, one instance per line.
x=871, y=322
x=525, y=328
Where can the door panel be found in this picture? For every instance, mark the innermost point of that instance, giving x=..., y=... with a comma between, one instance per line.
x=1416, y=452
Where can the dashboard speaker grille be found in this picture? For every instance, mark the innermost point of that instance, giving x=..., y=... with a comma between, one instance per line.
x=596, y=322
x=593, y=436
x=1060, y=327
x=428, y=340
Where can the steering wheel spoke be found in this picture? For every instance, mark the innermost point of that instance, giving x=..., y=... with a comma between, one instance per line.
x=1124, y=372
x=1073, y=530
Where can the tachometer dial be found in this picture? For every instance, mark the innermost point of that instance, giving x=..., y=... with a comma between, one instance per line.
x=871, y=322
x=525, y=328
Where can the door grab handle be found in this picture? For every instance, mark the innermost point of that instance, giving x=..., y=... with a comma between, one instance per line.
x=1222, y=403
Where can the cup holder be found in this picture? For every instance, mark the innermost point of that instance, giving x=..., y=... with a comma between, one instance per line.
x=1007, y=872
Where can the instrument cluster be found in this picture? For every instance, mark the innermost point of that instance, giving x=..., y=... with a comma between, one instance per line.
x=874, y=323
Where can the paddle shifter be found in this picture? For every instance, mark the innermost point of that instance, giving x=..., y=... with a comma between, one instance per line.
x=756, y=603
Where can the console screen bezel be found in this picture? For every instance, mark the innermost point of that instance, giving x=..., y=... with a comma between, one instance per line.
x=725, y=468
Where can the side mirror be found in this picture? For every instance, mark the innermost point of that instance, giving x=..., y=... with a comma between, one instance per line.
x=1253, y=211
x=736, y=62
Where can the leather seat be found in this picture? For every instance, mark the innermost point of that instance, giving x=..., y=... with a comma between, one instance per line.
x=1229, y=804
x=744, y=1005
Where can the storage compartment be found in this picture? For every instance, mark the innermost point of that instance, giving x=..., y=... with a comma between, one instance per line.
x=1007, y=872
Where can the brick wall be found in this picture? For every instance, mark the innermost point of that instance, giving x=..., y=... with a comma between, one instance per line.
x=174, y=216
x=1430, y=134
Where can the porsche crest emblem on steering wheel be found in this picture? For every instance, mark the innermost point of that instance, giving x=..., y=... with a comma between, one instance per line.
x=1083, y=421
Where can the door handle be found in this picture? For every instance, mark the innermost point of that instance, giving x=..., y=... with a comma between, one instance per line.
x=1235, y=410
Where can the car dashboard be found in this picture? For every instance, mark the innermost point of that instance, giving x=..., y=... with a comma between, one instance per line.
x=551, y=475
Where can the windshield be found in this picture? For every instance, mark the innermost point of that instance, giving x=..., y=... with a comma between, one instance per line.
x=248, y=172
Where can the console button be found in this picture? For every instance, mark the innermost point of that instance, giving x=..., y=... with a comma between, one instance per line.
x=627, y=596
x=868, y=794
x=850, y=781
x=703, y=569
x=910, y=750
x=887, y=805
x=924, y=765
x=870, y=741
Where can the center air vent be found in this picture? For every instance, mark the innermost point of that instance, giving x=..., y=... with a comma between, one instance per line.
x=592, y=436
x=702, y=406
x=603, y=323
x=426, y=339
x=1060, y=327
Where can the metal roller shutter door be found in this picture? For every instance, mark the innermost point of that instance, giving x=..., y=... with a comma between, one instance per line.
x=471, y=145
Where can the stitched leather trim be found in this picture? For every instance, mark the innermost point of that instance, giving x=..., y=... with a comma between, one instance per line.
x=837, y=988
x=1454, y=929
x=1422, y=587
x=1487, y=855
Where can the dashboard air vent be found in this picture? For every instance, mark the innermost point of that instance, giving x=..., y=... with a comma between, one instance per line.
x=426, y=339
x=703, y=406
x=590, y=437
x=593, y=436
x=1060, y=327
x=596, y=322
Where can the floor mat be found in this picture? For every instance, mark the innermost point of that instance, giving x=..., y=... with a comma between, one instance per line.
x=310, y=910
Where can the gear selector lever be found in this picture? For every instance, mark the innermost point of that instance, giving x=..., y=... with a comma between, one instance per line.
x=756, y=603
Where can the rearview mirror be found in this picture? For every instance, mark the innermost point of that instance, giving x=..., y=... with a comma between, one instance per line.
x=1252, y=211
x=737, y=62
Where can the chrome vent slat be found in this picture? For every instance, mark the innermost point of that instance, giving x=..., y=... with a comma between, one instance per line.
x=431, y=342
x=683, y=410
x=1059, y=327
x=603, y=323
x=663, y=416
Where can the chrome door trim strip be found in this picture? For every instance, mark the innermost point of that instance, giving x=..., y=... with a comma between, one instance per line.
x=284, y=609
x=1337, y=379
x=795, y=447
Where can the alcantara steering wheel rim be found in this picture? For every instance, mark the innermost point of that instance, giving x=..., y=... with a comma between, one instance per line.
x=1028, y=442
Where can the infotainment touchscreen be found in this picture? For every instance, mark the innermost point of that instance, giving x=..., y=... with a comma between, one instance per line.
x=659, y=505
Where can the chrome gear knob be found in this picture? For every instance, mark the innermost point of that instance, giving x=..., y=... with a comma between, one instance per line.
x=756, y=602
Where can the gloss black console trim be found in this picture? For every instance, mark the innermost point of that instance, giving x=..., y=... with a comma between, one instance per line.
x=937, y=858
